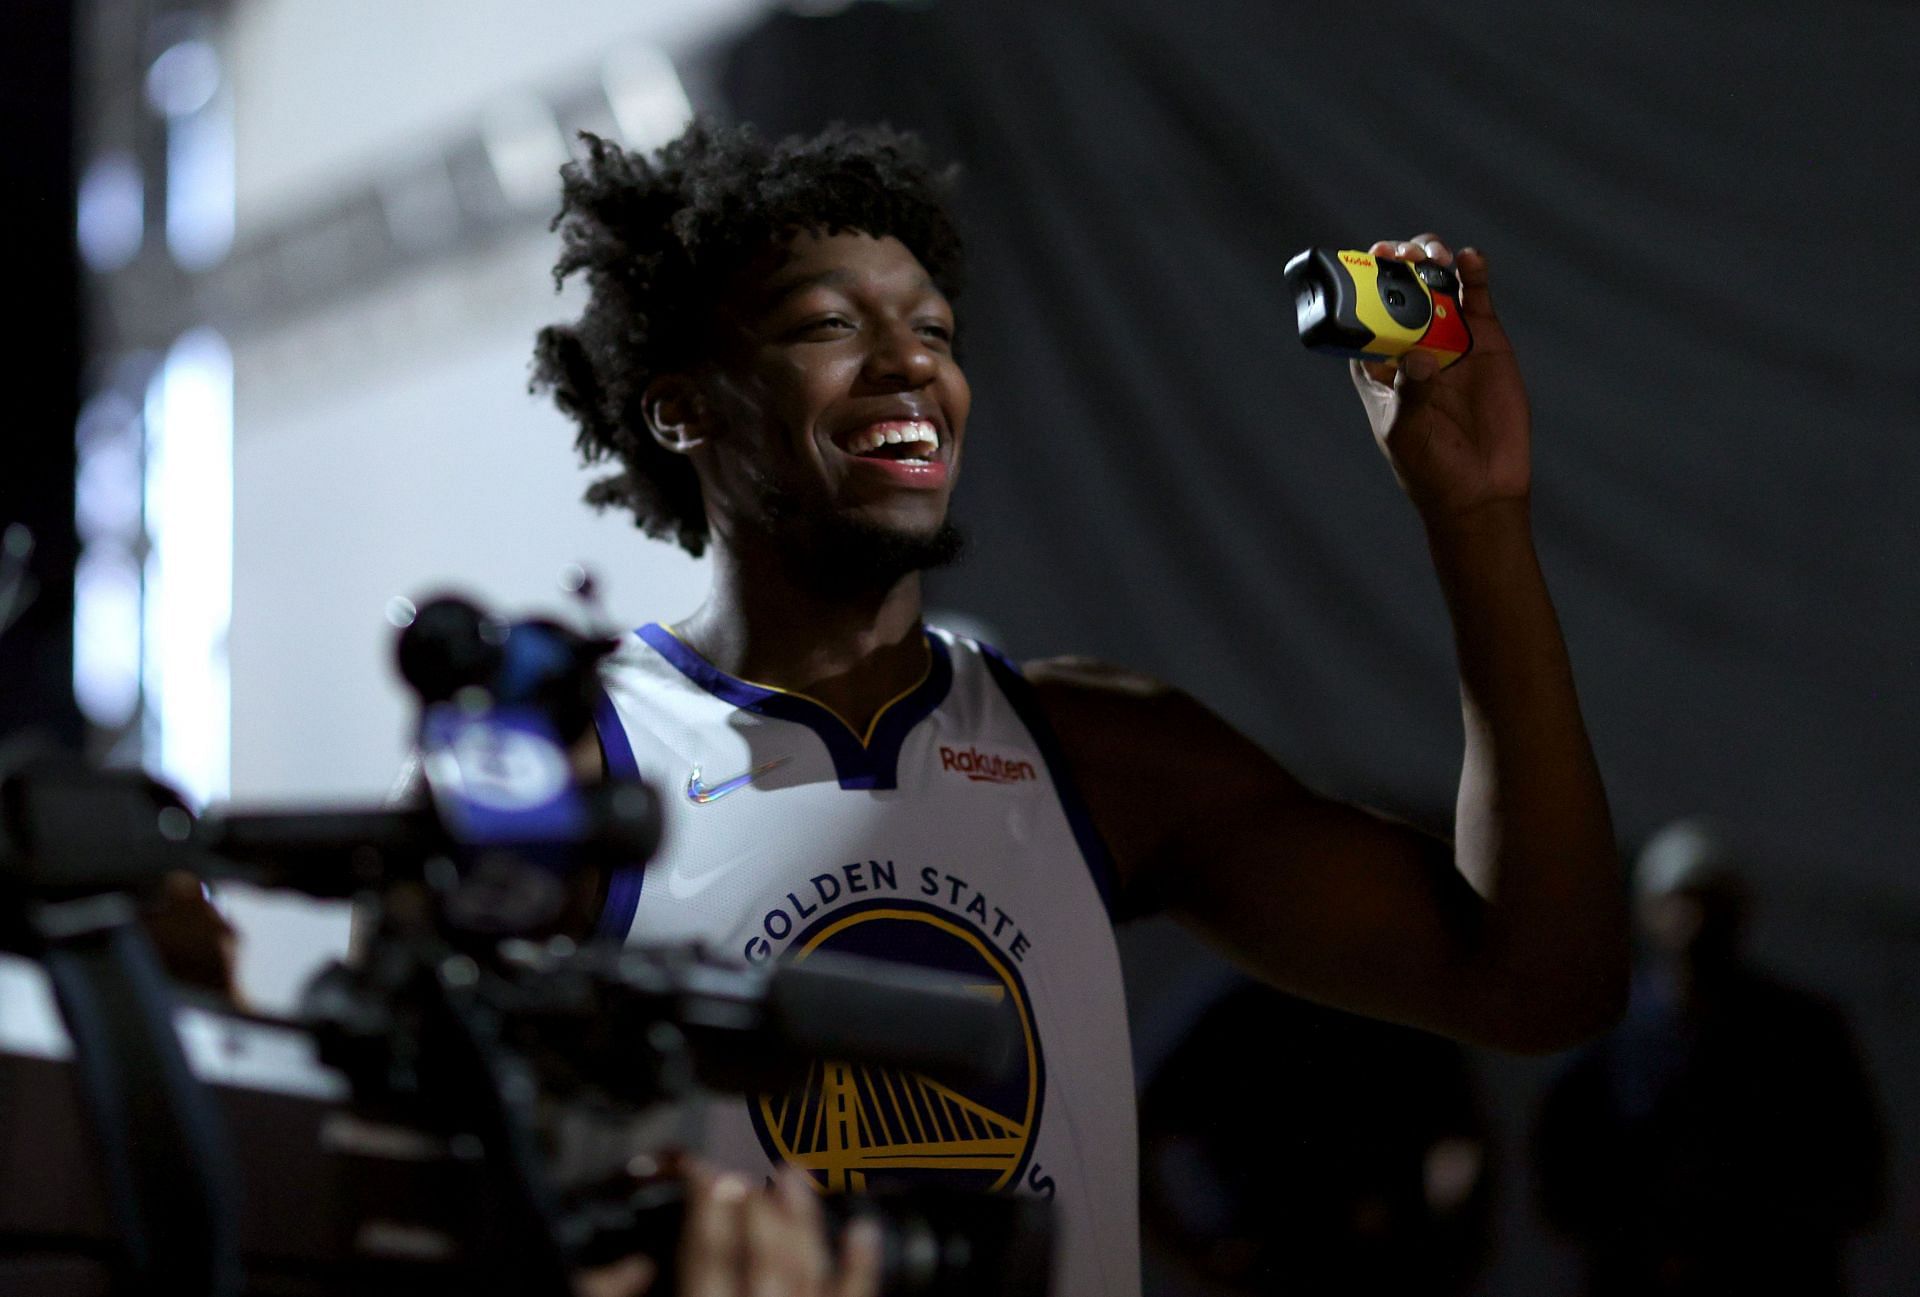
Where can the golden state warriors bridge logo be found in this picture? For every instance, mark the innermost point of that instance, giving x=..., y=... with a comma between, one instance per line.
x=854, y=1128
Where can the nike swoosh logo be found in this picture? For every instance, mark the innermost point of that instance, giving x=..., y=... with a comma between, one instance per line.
x=700, y=794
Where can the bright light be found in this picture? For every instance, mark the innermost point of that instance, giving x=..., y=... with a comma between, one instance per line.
x=526, y=149
x=646, y=96
x=200, y=187
x=184, y=85
x=106, y=635
x=109, y=489
x=112, y=212
x=108, y=482
x=189, y=578
x=184, y=79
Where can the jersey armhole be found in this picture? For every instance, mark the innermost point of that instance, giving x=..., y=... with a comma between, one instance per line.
x=1020, y=693
x=623, y=884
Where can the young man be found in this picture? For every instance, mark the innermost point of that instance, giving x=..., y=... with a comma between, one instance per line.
x=768, y=354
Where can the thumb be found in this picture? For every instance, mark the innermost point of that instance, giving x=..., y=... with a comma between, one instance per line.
x=1476, y=297
x=1419, y=366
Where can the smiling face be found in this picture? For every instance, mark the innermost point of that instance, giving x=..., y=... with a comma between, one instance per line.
x=832, y=418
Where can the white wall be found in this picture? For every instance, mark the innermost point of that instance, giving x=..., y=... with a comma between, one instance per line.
x=330, y=89
x=388, y=445
x=391, y=448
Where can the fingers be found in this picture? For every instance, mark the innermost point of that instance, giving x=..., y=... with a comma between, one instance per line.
x=786, y=1241
x=195, y=942
x=629, y=1277
x=1433, y=248
x=1379, y=372
x=1476, y=298
x=740, y=1242
x=712, y=1243
x=859, y=1261
x=1421, y=247
x=1419, y=366
x=1384, y=385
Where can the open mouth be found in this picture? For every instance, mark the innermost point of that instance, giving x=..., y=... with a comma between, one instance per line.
x=904, y=441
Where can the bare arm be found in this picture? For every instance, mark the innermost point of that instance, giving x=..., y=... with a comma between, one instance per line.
x=1327, y=900
x=1515, y=935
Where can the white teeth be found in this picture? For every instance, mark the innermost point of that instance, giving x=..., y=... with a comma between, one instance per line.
x=871, y=439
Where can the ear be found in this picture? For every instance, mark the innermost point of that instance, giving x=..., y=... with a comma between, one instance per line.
x=676, y=413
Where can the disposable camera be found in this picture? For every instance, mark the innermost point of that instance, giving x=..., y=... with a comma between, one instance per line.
x=1355, y=304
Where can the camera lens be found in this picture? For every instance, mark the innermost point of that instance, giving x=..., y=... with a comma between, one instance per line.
x=1403, y=295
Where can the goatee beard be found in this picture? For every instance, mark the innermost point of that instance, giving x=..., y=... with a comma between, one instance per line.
x=840, y=557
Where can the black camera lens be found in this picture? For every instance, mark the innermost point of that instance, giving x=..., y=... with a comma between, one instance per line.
x=1403, y=295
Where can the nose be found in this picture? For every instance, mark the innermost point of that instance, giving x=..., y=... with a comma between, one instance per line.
x=900, y=359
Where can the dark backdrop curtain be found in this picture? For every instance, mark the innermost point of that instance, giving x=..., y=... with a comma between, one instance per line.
x=1703, y=224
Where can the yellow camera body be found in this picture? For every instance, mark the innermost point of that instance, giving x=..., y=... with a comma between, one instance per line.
x=1355, y=304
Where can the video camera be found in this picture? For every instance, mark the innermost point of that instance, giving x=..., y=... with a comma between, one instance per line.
x=508, y=1089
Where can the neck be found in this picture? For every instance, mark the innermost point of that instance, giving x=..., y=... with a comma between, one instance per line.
x=851, y=649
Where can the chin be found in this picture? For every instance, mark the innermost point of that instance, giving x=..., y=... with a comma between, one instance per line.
x=903, y=527
x=854, y=553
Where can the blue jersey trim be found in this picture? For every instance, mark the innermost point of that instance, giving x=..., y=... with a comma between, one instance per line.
x=623, y=888
x=1026, y=705
x=874, y=764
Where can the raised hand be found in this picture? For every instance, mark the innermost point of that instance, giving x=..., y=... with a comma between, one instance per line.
x=1458, y=439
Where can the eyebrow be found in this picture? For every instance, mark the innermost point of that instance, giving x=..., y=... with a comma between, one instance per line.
x=779, y=289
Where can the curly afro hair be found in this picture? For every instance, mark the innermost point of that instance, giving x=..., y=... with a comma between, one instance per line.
x=660, y=238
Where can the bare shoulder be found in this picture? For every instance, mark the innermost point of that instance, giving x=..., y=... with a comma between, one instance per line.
x=1088, y=701
x=1149, y=758
x=1086, y=675
x=1110, y=716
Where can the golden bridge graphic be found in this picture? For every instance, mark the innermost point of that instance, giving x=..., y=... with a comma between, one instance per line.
x=846, y=1122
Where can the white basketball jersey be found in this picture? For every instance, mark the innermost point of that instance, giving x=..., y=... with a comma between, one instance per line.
x=946, y=836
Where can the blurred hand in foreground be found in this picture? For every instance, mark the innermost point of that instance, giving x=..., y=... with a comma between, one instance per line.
x=745, y=1242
